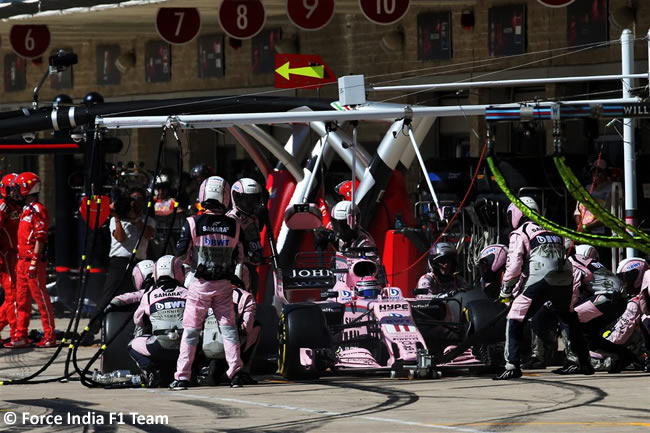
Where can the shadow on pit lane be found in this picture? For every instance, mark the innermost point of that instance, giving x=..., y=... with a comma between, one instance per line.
x=63, y=407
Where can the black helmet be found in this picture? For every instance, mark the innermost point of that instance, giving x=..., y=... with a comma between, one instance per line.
x=200, y=172
x=440, y=253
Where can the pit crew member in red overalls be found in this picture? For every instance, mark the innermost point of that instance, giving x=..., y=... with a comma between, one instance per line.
x=9, y=217
x=30, y=270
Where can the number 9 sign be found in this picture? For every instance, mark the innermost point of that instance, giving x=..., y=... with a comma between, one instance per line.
x=242, y=19
x=29, y=41
x=310, y=14
x=384, y=12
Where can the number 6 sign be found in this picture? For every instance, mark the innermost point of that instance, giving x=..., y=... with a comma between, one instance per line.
x=384, y=12
x=178, y=25
x=242, y=19
x=29, y=41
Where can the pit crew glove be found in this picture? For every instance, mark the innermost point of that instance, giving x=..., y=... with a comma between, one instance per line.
x=32, y=272
x=505, y=295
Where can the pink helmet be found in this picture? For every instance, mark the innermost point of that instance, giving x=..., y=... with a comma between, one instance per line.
x=631, y=272
x=215, y=188
x=141, y=272
x=169, y=266
x=587, y=251
x=515, y=216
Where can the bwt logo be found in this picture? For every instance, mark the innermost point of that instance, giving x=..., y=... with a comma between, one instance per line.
x=216, y=242
x=394, y=293
x=395, y=315
x=170, y=305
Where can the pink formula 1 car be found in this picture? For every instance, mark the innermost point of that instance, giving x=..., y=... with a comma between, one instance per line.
x=343, y=317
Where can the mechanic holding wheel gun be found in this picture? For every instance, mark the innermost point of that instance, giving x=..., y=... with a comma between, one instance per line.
x=211, y=243
x=540, y=255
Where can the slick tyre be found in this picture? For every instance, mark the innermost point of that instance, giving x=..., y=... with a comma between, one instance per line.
x=479, y=314
x=116, y=356
x=301, y=325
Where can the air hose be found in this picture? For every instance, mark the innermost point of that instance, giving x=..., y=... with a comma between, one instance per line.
x=579, y=193
x=588, y=238
x=82, y=373
x=75, y=319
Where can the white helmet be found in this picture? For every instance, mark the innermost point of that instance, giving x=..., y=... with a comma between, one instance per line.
x=631, y=272
x=515, y=216
x=246, y=195
x=343, y=210
x=141, y=272
x=587, y=251
x=169, y=266
x=215, y=188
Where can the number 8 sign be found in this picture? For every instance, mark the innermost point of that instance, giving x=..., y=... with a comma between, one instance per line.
x=242, y=19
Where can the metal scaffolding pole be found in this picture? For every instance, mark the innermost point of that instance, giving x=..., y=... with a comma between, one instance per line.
x=627, y=60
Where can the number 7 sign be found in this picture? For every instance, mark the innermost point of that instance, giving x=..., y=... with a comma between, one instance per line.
x=178, y=25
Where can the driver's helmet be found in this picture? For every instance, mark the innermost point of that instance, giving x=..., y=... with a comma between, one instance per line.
x=368, y=288
x=246, y=196
x=440, y=253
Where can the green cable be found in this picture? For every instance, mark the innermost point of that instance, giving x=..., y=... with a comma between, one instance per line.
x=609, y=220
x=588, y=238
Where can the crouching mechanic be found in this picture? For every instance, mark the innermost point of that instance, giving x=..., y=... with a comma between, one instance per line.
x=635, y=274
x=491, y=266
x=249, y=332
x=211, y=242
x=246, y=195
x=598, y=301
x=161, y=310
x=540, y=256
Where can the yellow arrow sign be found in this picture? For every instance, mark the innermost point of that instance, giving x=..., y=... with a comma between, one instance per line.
x=305, y=71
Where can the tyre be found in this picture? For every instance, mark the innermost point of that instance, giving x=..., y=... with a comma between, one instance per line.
x=301, y=325
x=481, y=314
x=116, y=356
x=491, y=355
x=265, y=357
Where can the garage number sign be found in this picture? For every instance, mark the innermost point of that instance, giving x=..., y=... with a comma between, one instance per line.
x=29, y=41
x=242, y=19
x=310, y=14
x=178, y=25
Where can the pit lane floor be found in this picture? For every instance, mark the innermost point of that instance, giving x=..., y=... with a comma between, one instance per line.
x=538, y=402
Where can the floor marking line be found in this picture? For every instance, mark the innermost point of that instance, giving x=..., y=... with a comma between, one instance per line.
x=320, y=411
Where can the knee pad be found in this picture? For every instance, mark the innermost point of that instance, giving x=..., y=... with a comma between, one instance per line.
x=230, y=333
x=192, y=336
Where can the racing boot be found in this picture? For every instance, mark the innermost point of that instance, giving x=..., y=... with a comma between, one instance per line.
x=509, y=373
x=179, y=385
x=237, y=381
